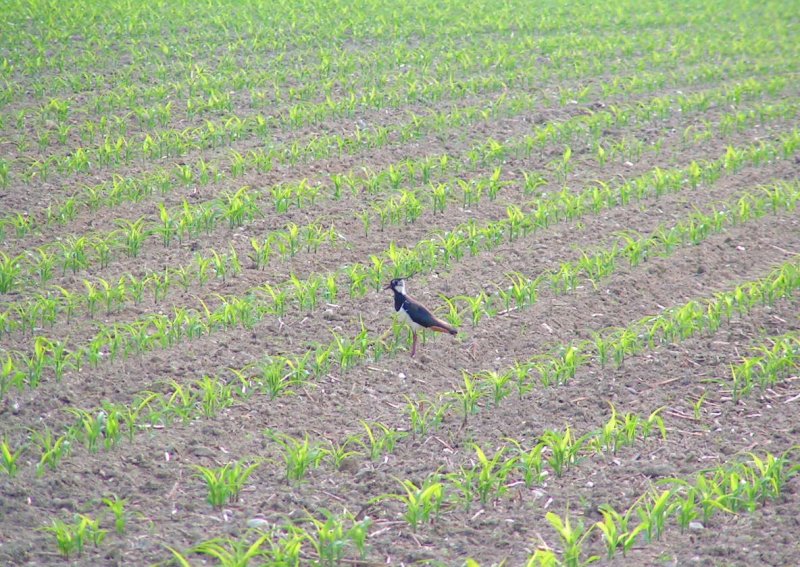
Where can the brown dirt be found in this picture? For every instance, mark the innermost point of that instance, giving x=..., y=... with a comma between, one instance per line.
x=167, y=502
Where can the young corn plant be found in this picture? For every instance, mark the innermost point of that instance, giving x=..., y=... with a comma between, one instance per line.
x=133, y=234
x=563, y=167
x=562, y=449
x=332, y=539
x=72, y=538
x=74, y=254
x=469, y=395
x=213, y=395
x=337, y=453
x=225, y=483
x=464, y=481
x=9, y=458
x=330, y=291
x=572, y=539
x=261, y=253
x=475, y=306
x=453, y=315
x=608, y=439
x=233, y=553
x=421, y=503
x=618, y=534
x=686, y=510
x=10, y=271
x=89, y=428
x=116, y=506
x=439, y=194
x=349, y=351
x=768, y=474
x=498, y=384
x=380, y=439
x=654, y=421
x=529, y=462
x=168, y=227
x=273, y=378
x=239, y=207
x=654, y=511
x=51, y=448
x=492, y=474
x=299, y=456
x=776, y=362
x=277, y=296
x=425, y=415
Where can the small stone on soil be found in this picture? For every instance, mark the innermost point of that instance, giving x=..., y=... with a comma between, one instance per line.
x=654, y=470
x=257, y=523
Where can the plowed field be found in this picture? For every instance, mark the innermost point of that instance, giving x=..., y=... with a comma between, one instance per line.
x=201, y=205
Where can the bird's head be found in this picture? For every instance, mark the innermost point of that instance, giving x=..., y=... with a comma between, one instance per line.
x=398, y=285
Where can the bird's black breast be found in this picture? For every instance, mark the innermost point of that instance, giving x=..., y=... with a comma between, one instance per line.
x=399, y=299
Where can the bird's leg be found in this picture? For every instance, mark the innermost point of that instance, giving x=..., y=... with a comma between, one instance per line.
x=413, y=342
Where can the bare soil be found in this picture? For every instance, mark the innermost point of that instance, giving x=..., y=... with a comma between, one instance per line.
x=167, y=502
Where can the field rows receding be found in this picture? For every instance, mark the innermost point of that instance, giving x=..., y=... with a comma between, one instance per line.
x=702, y=74
x=328, y=395
x=604, y=200
x=315, y=329
x=294, y=339
x=346, y=226
x=486, y=343
x=225, y=173
x=201, y=345
x=752, y=180
x=506, y=52
x=235, y=424
x=57, y=121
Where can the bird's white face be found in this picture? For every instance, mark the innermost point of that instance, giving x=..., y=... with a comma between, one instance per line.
x=399, y=285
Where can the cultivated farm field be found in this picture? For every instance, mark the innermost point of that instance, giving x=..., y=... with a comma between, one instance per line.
x=202, y=203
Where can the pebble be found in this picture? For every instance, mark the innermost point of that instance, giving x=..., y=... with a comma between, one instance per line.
x=696, y=526
x=259, y=523
x=654, y=470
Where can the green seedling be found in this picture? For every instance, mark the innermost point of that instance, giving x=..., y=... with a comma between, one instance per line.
x=528, y=462
x=9, y=458
x=422, y=502
x=331, y=537
x=225, y=483
x=117, y=505
x=562, y=449
x=616, y=530
x=654, y=511
x=214, y=395
x=230, y=552
x=380, y=439
x=298, y=456
x=572, y=538
x=52, y=449
x=71, y=538
x=499, y=384
x=492, y=474
x=425, y=415
x=10, y=271
x=469, y=395
x=339, y=452
x=133, y=235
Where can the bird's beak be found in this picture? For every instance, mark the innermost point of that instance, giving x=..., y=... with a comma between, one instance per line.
x=387, y=286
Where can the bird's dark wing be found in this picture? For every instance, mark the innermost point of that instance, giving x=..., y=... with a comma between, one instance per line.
x=422, y=316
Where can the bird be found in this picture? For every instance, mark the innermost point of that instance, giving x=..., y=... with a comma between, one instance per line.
x=415, y=313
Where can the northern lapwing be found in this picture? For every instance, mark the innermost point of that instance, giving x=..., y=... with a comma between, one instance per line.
x=415, y=313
